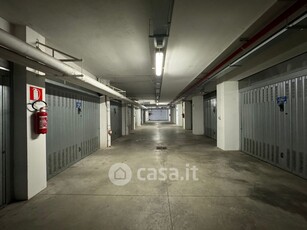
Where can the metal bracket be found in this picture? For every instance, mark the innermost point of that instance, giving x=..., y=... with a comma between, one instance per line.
x=54, y=51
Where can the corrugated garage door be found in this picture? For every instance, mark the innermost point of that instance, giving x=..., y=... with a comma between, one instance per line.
x=5, y=134
x=73, y=127
x=210, y=116
x=116, y=119
x=274, y=123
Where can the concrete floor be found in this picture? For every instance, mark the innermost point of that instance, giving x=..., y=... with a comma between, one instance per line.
x=234, y=190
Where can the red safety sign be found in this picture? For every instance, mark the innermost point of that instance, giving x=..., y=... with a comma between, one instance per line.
x=36, y=93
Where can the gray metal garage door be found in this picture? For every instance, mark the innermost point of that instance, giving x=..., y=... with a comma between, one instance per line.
x=274, y=123
x=4, y=135
x=116, y=119
x=73, y=127
x=210, y=116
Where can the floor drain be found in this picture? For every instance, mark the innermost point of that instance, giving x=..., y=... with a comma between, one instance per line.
x=161, y=147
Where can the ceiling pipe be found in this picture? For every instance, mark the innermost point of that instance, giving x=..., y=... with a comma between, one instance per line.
x=272, y=25
x=22, y=51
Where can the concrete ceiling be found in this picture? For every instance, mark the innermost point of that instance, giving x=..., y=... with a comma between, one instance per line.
x=112, y=36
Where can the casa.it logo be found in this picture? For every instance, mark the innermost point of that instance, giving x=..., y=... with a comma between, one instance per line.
x=120, y=174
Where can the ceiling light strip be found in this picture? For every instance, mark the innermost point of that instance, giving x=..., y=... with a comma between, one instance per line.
x=159, y=63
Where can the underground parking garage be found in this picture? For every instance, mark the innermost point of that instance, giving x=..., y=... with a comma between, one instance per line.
x=165, y=114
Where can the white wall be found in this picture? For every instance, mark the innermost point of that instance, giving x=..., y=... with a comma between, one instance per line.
x=183, y=115
x=103, y=123
x=159, y=115
x=133, y=114
x=179, y=114
x=198, y=115
x=36, y=149
x=29, y=153
x=173, y=115
x=138, y=117
x=228, y=124
x=125, y=120
x=146, y=116
x=109, y=127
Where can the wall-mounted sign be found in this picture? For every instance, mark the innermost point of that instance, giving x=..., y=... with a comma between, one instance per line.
x=36, y=93
x=78, y=104
x=281, y=100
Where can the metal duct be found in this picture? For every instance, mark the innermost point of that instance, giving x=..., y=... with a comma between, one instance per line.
x=25, y=52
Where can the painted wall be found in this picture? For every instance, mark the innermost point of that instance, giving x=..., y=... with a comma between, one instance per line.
x=138, y=117
x=30, y=173
x=228, y=129
x=173, y=115
x=125, y=121
x=36, y=149
x=198, y=115
x=179, y=114
x=183, y=115
x=158, y=115
x=103, y=122
x=146, y=115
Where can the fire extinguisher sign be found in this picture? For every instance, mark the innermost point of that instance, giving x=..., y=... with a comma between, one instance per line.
x=36, y=93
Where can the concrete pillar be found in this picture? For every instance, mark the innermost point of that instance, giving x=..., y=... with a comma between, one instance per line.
x=198, y=115
x=228, y=124
x=133, y=123
x=103, y=122
x=125, y=120
x=108, y=104
x=138, y=117
x=183, y=115
x=29, y=154
x=173, y=115
x=146, y=116
x=179, y=114
x=188, y=115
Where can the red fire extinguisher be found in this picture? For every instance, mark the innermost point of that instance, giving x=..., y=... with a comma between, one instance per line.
x=41, y=121
x=40, y=117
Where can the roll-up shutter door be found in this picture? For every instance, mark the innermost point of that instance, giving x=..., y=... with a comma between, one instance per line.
x=73, y=127
x=210, y=121
x=274, y=123
x=116, y=119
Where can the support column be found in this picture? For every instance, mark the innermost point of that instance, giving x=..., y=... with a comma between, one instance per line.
x=198, y=115
x=29, y=153
x=183, y=115
x=228, y=123
x=133, y=123
x=146, y=116
x=125, y=122
x=138, y=117
x=173, y=115
x=103, y=122
x=109, y=136
x=179, y=114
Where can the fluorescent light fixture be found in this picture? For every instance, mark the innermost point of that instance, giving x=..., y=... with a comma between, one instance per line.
x=159, y=63
x=5, y=69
